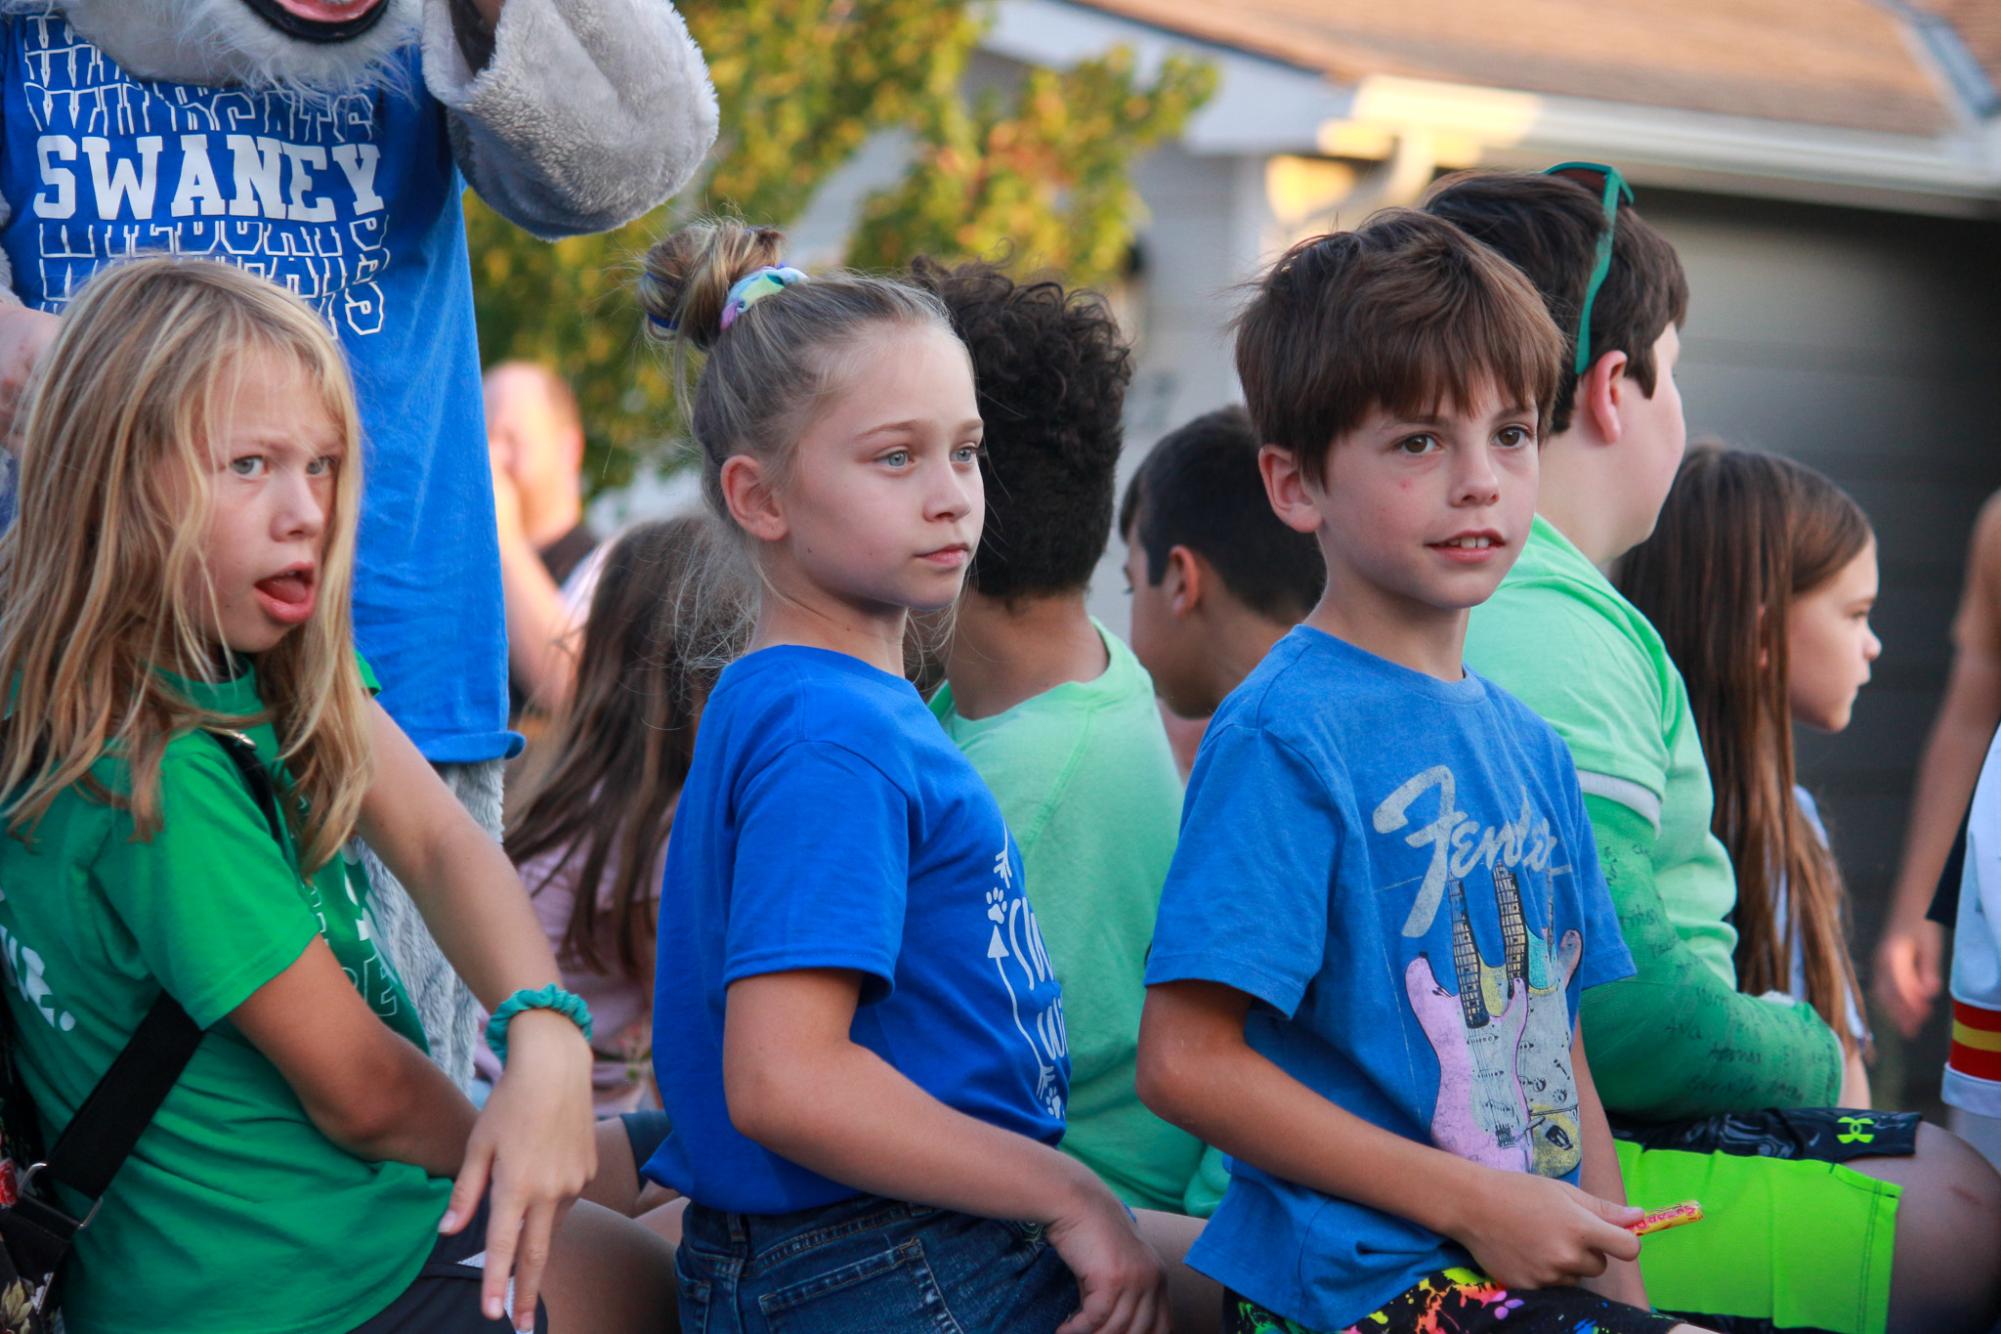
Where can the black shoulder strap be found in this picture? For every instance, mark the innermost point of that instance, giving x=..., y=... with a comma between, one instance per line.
x=101, y=1135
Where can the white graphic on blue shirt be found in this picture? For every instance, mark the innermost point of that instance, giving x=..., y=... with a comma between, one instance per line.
x=1015, y=936
x=279, y=184
x=1458, y=843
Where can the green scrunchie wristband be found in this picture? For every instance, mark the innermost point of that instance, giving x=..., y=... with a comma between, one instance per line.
x=566, y=1003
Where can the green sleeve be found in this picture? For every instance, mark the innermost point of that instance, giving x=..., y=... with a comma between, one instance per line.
x=1675, y=1041
x=212, y=905
x=1575, y=657
x=1206, y=1187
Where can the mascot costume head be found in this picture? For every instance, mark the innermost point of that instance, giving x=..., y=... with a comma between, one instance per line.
x=307, y=44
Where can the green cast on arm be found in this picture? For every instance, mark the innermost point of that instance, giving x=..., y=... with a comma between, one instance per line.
x=1675, y=1041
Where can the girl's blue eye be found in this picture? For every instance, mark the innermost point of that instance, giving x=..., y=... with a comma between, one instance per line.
x=967, y=454
x=897, y=458
x=248, y=465
x=322, y=466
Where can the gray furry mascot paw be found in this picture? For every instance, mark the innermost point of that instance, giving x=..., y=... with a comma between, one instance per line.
x=326, y=144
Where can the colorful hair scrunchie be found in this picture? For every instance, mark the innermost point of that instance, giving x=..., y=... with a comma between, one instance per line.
x=752, y=288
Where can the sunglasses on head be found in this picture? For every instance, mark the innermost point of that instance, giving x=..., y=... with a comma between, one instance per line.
x=1611, y=187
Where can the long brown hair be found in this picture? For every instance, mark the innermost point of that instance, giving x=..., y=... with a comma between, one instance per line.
x=105, y=586
x=601, y=793
x=1742, y=535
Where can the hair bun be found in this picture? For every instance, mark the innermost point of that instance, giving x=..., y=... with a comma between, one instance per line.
x=688, y=273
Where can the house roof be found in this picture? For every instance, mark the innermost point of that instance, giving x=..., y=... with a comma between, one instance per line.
x=1848, y=64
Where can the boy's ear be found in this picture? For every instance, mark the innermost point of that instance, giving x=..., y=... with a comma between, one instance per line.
x=1182, y=581
x=1601, y=397
x=752, y=500
x=1288, y=490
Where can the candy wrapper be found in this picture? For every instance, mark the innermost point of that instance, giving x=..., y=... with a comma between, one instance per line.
x=1660, y=1220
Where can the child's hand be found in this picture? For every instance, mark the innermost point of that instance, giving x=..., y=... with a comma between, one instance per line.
x=1907, y=972
x=1119, y=1277
x=1536, y=1232
x=535, y=1144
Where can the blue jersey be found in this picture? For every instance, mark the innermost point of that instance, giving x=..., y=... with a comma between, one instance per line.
x=828, y=822
x=1399, y=872
x=352, y=202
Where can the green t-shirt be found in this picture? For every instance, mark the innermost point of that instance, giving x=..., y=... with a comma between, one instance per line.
x=1091, y=794
x=235, y=1214
x=1560, y=637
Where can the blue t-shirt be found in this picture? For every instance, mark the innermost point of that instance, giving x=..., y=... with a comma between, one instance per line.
x=1399, y=872
x=352, y=202
x=828, y=822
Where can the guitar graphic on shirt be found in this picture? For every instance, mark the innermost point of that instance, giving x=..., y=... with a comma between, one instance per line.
x=1480, y=1114
x=1543, y=1062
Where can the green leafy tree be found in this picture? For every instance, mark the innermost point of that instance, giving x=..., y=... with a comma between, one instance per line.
x=1042, y=177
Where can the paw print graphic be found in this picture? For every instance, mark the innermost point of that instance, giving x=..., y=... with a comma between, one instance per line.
x=1047, y=1092
x=995, y=912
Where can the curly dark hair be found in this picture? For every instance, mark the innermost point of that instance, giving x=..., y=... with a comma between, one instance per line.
x=1051, y=369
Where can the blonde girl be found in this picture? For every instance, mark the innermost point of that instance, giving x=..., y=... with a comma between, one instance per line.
x=857, y=1035
x=180, y=567
x=1760, y=576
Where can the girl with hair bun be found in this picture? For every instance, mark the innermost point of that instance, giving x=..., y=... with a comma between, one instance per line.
x=858, y=1038
x=1760, y=576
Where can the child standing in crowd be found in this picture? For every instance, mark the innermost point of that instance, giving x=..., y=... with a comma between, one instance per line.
x=860, y=1043
x=1386, y=902
x=1054, y=711
x=176, y=594
x=1215, y=578
x=1760, y=577
x=591, y=828
x=1814, y=1221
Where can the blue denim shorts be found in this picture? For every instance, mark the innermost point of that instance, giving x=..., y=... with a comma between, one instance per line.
x=868, y=1264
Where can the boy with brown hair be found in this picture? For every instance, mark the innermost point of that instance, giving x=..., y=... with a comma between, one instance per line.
x=1385, y=901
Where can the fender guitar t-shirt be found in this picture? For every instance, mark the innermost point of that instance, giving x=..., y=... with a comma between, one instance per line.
x=352, y=202
x=1398, y=871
